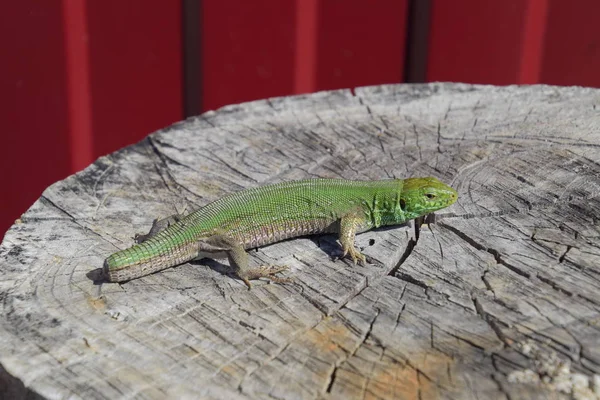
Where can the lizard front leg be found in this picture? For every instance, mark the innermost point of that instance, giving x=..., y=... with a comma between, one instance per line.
x=238, y=260
x=349, y=225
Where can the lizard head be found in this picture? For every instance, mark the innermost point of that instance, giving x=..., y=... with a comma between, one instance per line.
x=422, y=196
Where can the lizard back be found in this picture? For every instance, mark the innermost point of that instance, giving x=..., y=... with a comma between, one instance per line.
x=271, y=213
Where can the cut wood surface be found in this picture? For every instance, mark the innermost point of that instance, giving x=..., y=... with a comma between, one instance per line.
x=499, y=298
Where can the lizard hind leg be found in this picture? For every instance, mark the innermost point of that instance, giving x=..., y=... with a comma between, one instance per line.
x=238, y=260
x=158, y=225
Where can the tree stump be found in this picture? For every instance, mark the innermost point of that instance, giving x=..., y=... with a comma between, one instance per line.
x=498, y=298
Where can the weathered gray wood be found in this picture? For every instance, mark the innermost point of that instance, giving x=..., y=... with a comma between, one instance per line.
x=499, y=299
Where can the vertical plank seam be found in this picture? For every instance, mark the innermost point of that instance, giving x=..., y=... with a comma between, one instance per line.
x=417, y=41
x=192, y=63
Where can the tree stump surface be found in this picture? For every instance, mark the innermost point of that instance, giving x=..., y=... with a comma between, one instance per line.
x=499, y=298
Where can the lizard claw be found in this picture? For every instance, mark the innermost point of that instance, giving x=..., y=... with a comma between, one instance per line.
x=356, y=255
x=266, y=271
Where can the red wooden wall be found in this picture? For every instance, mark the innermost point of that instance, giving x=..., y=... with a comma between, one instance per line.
x=257, y=49
x=79, y=79
x=524, y=42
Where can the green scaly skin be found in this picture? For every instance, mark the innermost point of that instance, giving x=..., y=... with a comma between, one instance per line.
x=268, y=214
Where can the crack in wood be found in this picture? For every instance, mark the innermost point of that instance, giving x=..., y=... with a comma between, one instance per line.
x=491, y=321
x=495, y=253
x=338, y=365
x=563, y=255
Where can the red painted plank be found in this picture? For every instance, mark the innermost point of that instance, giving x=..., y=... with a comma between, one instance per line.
x=33, y=102
x=361, y=43
x=253, y=50
x=78, y=84
x=247, y=50
x=572, y=48
x=135, y=53
x=533, y=42
x=306, y=35
x=81, y=79
x=477, y=41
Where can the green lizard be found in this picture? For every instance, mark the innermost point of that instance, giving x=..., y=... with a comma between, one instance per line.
x=268, y=214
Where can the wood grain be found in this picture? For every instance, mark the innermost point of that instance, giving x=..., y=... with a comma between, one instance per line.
x=498, y=299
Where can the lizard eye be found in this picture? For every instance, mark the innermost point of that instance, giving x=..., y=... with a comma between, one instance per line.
x=430, y=196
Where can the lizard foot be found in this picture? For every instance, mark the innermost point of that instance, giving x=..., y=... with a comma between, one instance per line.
x=265, y=271
x=356, y=255
x=157, y=226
